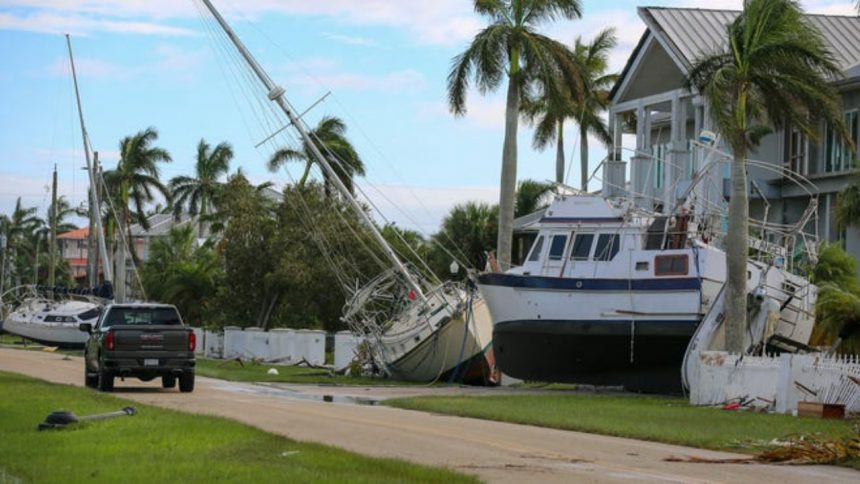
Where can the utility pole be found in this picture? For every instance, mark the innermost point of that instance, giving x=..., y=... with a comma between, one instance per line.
x=52, y=242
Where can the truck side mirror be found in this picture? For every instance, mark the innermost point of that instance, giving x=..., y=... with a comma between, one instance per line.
x=86, y=327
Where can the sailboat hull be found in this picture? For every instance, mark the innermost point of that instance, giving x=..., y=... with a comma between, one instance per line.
x=458, y=350
x=29, y=321
x=64, y=335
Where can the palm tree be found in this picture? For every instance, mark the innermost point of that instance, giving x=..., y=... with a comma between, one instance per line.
x=548, y=116
x=593, y=59
x=469, y=229
x=530, y=195
x=18, y=230
x=848, y=206
x=182, y=274
x=197, y=195
x=64, y=211
x=136, y=178
x=511, y=45
x=330, y=134
x=774, y=72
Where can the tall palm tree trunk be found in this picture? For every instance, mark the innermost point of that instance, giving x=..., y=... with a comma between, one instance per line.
x=204, y=209
x=305, y=175
x=736, y=255
x=559, y=154
x=583, y=159
x=508, y=183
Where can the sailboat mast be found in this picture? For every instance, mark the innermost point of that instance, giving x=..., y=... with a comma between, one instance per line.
x=94, y=198
x=276, y=94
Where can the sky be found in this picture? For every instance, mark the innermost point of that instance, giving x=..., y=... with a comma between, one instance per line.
x=153, y=63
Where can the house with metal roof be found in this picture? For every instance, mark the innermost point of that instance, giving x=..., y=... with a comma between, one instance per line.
x=650, y=101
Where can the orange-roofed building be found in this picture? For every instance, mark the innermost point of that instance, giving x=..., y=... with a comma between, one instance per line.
x=73, y=247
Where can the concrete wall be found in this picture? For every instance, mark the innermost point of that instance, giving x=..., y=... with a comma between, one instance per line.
x=281, y=345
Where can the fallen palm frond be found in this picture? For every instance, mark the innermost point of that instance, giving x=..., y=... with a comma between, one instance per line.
x=796, y=450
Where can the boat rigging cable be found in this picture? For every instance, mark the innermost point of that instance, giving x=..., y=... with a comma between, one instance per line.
x=451, y=248
x=262, y=119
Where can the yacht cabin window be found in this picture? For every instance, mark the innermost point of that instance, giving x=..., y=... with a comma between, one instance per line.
x=536, y=249
x=581, y=246
x=671, y=265
x=556, y=247
x=607, y=247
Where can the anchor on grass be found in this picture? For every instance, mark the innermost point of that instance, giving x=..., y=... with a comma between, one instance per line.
x=62, y=418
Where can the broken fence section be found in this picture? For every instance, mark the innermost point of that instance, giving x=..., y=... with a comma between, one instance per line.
x=776, y=382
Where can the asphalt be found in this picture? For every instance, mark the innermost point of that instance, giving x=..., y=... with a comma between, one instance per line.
x=496, y=452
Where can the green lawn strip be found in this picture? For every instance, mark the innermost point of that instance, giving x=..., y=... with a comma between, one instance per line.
x=159, y=445
x=258, y=372
x=661, y=419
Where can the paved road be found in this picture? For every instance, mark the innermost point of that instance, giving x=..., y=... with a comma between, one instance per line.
x=497, y=452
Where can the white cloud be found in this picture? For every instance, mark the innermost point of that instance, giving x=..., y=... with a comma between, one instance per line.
x=53, y=23
x=351, y=40
x=168, y=60
x=432, y=22
x=422, y=208
x=178, y=63
x=320, y=72
x=36, y=191
x=86, y=67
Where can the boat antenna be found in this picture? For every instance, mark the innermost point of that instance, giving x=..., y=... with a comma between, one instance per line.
x=94, y=197
x=276, y=95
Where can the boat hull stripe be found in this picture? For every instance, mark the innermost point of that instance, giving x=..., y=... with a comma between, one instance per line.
x=573, y=284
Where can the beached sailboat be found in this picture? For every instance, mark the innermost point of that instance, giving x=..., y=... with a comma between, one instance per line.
x=415, y=327
x=612, y=294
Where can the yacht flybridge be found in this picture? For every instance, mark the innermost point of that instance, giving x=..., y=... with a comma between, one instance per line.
x=611, y=294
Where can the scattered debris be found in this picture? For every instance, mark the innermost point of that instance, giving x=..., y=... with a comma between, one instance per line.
x=62, y=418
x=821, y=410
x=50, y=349
x=796, y=450
x=273, y=371
x=232, y=360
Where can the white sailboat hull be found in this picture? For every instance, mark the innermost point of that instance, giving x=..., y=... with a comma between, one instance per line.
x=459, y=349
x=29, y=322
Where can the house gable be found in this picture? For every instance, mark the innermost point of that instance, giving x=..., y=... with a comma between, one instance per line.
x=651, y=70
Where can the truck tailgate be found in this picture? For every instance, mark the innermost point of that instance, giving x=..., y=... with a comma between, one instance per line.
x=168, y=338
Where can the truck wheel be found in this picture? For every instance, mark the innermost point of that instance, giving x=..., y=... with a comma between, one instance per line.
x=105, y=380
x=186, y=382
x=168, y=381
x=91, y=381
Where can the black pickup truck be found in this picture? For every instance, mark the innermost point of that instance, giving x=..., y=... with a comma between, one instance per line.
x=145, y=341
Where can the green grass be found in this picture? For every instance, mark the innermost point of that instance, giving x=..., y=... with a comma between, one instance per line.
x=662, y=419
x=257, y=372
x=159, y=445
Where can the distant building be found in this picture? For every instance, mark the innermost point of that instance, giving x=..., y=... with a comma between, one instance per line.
x=73, y=247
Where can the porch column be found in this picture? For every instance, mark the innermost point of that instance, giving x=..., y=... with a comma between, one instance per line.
x=641, y=162
x=614, y=169
x=676, y=162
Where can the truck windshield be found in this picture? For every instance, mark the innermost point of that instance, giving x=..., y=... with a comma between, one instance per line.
x=141, y=317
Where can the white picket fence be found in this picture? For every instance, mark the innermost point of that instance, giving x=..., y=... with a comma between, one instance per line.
x=777, y=382
x=280, y=345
